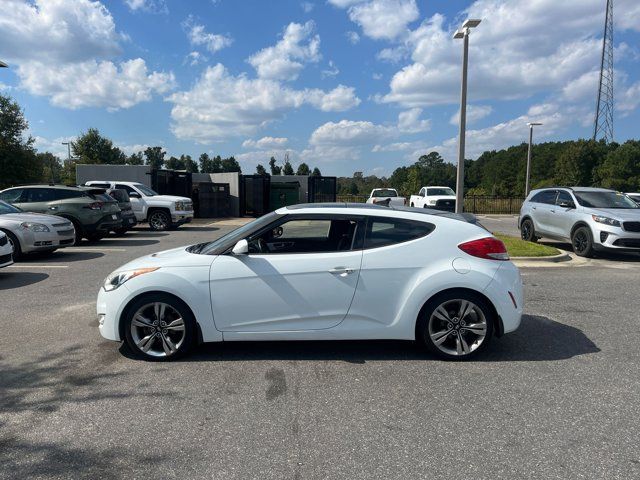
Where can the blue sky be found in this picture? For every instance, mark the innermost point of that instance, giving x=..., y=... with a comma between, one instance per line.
x=345, y=85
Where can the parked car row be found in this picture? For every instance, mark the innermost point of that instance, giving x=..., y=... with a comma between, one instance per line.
x=592, y=219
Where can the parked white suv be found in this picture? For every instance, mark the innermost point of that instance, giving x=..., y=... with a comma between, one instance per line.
x=438, y=198
x=590, y=218
x=160, y=211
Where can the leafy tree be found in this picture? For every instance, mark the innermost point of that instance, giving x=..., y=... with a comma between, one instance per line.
x=18, y=162
x=577, y=162
x=135, y=159
x=91, y=147
x=275, y=169
x=154, y=157
x=206, y=164
x=231, y=165
x=287, y=169
x=316, y=172
x=189, y=164
x=260, y=170
x=174, y=163
x=51, y=167
x=217, y=164
x=620, y=169
x=303, y=169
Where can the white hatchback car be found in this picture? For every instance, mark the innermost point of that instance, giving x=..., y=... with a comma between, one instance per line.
x=321, y=272
x=6, y=251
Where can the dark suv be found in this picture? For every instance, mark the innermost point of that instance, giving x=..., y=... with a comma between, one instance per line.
x=92, y=217
x=124, y=202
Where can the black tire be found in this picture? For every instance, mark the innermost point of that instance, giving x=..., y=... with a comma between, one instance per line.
x=120, y=231
x=456, y=331
x=182, y=348
x=528, y=231
x=78, y=229
x=582, y=242
x=159, y=220
x=94, y=237
x=17, y=250
x=412, y=204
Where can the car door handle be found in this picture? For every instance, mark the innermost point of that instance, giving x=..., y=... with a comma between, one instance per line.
x=53, y=208
x=342, y=271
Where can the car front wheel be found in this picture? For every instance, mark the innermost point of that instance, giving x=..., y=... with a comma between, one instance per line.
x=456, y=325
x=527, y=231
x=582, y=242
x=159, y=327
x=159, y=220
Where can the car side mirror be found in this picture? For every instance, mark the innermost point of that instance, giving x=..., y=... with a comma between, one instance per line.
x=567, y=205
x=134, y=195
x=241, y=248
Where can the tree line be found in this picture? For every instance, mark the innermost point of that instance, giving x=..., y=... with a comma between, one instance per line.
x=502, y=172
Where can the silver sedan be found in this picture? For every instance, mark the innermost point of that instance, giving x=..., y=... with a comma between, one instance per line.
x=31, y=232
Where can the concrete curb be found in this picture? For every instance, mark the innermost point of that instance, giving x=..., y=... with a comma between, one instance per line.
x=561, y=257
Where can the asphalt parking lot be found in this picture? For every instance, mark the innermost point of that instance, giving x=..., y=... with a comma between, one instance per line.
x=558, y=399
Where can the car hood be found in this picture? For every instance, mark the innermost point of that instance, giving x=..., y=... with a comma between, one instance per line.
x=176, y=257
x=32, y=217
x=632, y=214
x=170, y=198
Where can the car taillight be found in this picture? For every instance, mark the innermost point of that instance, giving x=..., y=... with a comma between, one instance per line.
x=94, y=206
x=490, y=248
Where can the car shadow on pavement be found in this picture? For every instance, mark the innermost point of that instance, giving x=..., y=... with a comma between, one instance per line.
x=11, y=280
x=113, y=242
x=538, y=339
x=60, y=256
x=630, y=257
x=140, y=234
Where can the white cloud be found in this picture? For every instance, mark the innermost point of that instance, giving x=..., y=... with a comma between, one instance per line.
x=149, y=6
x=353, y=37
x=56, y=31
x=265, y=143
x=330, y=153
x=307, y=6
x=392, y=55
x=221, y=105
x=629, y=99
x=135, y=148
x=95, y=84
x=195, y=58
x=409, y=121
x=399, y=147
x=474, y=113
x=42, y=144
x=286, y=59
x=381, y=19
x=198, y=36
x=348, y=133
x=331, y=71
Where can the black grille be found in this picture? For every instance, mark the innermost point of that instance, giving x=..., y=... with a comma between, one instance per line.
x=446, y=205
x=64, y=233
x=632, y=226
x=627, y=242
x=3, y=240
x=5, y=259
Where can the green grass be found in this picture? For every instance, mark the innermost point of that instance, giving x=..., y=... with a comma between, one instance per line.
x=519, y=248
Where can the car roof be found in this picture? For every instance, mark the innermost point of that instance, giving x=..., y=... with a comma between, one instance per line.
x=60, y=187
x=124, y=182
x=373, y=209
x=579, y=189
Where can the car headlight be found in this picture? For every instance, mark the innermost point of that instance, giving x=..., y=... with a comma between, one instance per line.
x=179, y=205
x=116, y=279
x=605, y=220
x=34, y=227
x=431, y=202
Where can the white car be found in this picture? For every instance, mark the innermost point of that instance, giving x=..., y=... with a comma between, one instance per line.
x=438, y=198
x=386, y=197
x=162, y=212
x=635, y=197
x=320, y=272
x=6, y=251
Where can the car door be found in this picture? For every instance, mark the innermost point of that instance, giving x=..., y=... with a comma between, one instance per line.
x=300, y=274
x=562, y=217
x=137, y=203
x=541, y=206
x=37, y=200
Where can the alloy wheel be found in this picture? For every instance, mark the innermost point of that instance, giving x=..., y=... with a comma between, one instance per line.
x=457, y=327
x=526, y=231
x=158, y=329
x=580, y=242
x=158, y=221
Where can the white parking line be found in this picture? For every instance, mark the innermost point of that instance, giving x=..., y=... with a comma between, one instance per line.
x=38, y=266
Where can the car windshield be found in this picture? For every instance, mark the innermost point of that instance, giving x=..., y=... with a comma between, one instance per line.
x=440, y=191
x=604, y=200
x=146, y=191
x=6, y=208
x=218, y=246
x=385, y=192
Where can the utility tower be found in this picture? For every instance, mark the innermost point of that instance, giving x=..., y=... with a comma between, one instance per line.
x=603, y=125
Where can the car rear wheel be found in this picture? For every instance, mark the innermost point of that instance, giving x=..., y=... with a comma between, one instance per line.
x=159, y=327
x=95, y=237
x=528, y=231
x=582, y=242
x=456, y=325
x=159, y=220
x=15, y=244
x=120, y=231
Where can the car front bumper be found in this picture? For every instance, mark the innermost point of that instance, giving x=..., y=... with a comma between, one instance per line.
x=38, y=241
x=6, y=257
x=615, y=238
x=180, y=217
x=109, y=308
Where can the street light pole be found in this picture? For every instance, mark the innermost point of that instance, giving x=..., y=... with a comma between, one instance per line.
x=68, y=144
x=464, y=34
x=527, y=187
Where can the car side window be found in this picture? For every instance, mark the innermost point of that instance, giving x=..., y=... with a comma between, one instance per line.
x=62, y=194
x=101, y=185
x=15, y=195
x=422, y=192
x=127, y=188
x=546, y=196
x=35, y=195
x=383, y=231
x=564, y=197
x=307, y=235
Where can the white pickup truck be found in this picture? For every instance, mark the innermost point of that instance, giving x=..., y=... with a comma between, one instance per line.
x=386, y=197
x=438, y=198
x=162, y=212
